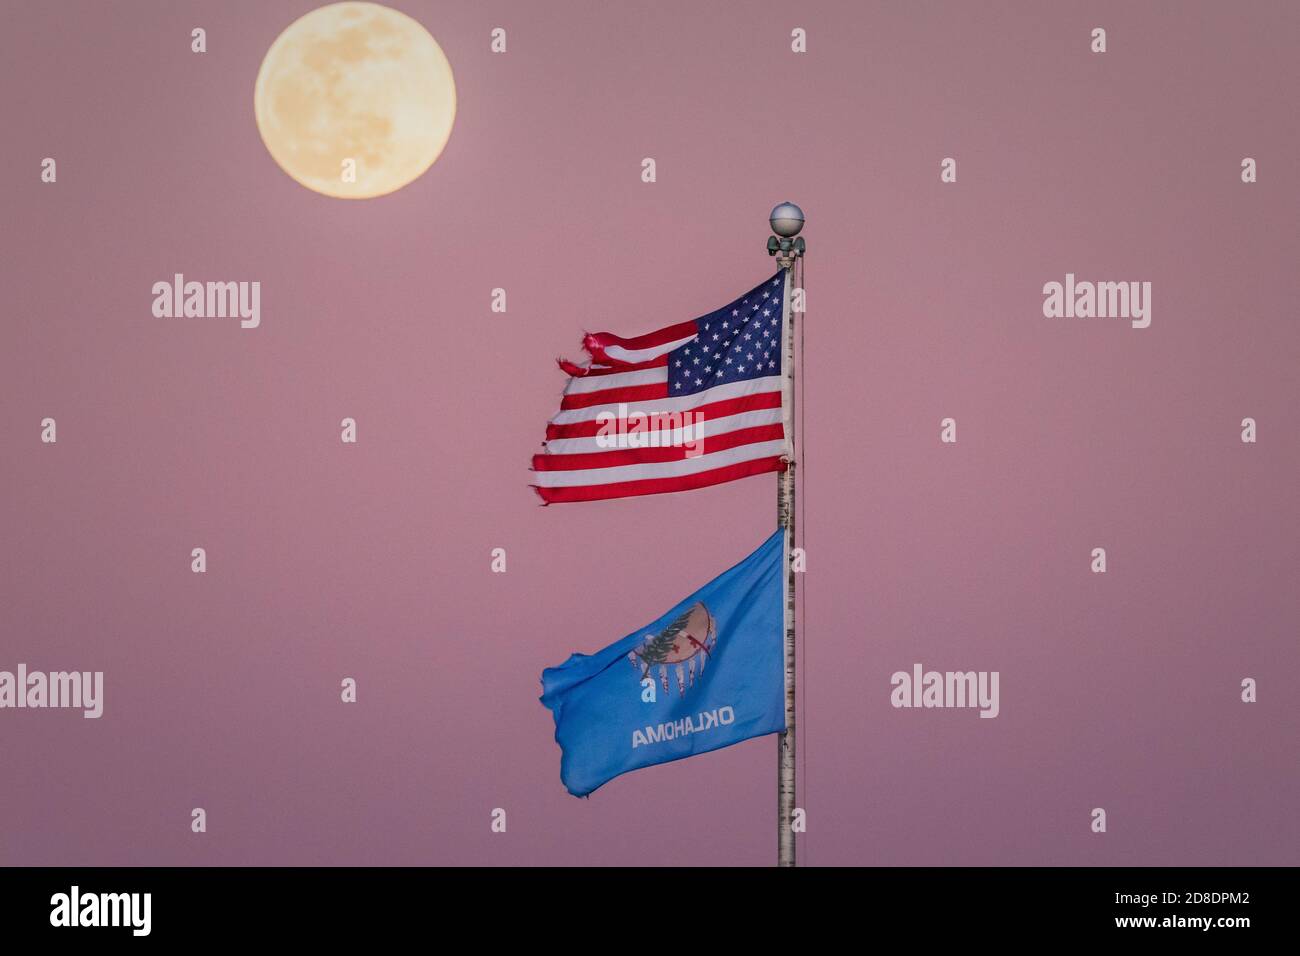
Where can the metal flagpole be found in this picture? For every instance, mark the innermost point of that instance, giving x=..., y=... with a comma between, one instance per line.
x=787, y=221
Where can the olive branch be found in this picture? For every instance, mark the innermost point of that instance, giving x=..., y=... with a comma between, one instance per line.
x=657, y=650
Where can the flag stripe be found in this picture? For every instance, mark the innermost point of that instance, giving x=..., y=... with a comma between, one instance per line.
x=729, y=406
x=616, y=353
x=630, y=394
x=704, y=428
x=664, y=336
x=595, y=370
x=618, y=378
x=770, y=383
x=663, y=469
x=656, y=486
x=614, y=457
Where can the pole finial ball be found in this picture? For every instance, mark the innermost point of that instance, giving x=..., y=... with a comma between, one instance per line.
x=787, y=220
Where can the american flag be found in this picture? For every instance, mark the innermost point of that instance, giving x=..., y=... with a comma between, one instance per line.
x=691, y=405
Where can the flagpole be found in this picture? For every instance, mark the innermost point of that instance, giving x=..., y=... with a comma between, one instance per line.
x=787, y=221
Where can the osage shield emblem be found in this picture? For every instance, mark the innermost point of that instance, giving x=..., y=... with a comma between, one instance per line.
x=686, y=645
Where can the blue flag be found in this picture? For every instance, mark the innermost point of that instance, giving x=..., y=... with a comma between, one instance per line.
x=708, y=674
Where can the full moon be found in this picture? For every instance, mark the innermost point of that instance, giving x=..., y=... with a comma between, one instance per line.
x=355, y=100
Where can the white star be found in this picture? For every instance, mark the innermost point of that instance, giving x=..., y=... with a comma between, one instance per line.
x=708, y=369
x=724, y=325
x=677, y=364
x=699, y=381
x=767, y=311
x=715, y=336
x=696, y=360
x=750, y=356
x=728, y=359
x=771, y=365
x=735, y=312
x=766, y=294
x=719, y=373
x=678, y=385
x=740, y=368
x=748, y=336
